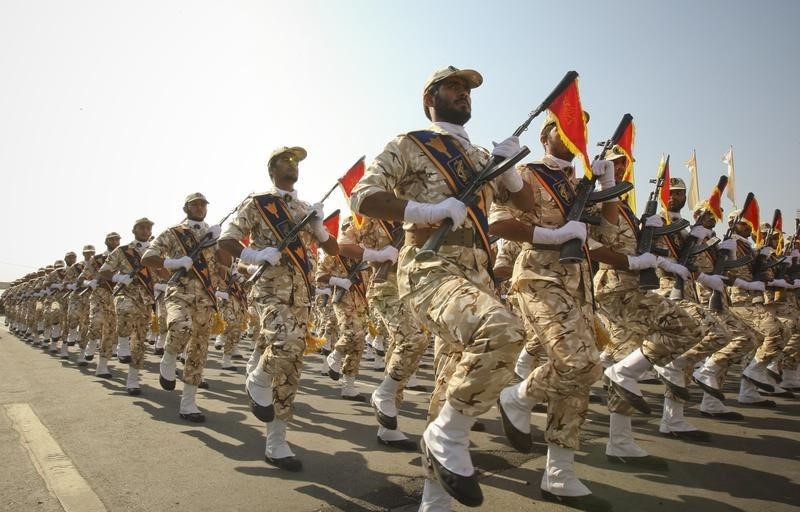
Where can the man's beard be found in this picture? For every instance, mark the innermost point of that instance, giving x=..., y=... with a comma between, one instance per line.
x=450, y=114
x=676, y=207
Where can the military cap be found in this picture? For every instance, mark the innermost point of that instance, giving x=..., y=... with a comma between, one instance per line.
x=195, y=197
x=143, y=220
x=677, y=184
x=735, y=213
x=472, y=77
x=58, y=264
x=70, y=253
x=615, y=152
x=764, y=227
x=88, y=248
x=113, y=234
x=550, y=120
x=297, y=152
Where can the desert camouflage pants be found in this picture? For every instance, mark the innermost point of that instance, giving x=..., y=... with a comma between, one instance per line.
x=102, y=320
x=283, y=326
x=351, y=319
x=56, y=316
x=78, y=316
x=234, y=315
x=457, y=303
x=133, y=318
x=763, y=319
x=786, y=313
x=405, y=341
x=189, y=313
x=561, y=320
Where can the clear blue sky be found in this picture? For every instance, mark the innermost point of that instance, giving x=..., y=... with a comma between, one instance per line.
x=115, y=110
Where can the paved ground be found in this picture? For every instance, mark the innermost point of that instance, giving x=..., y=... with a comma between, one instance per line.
x=136, y=454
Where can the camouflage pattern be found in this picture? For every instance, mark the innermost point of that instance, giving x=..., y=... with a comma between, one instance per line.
x=451, y=295
x=189, y=306
x=556, y=301
x=281, y=299
x=102, y=319
x=132, y=305
x=234, y=312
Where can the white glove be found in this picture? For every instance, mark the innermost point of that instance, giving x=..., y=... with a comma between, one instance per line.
x=160, y=287
x=674, y=268
x=123, y=279
x=57, y=286
x=753, y=286
x=604, y=171
x=221, y=295
x=712, y=282
x=428, y=213
x=778, y=283
x=252, y=269
x=654, y=221
x=322, y=291
x=341, y=282
x=570, y=230
x=795, y=254
x=320, y=233
x=91, y=283
x=700, y=233
x=215, y=231
x=270, y=255
x=507, y=148
x=72, y=286
x=728, y=245
x=511, y=180
x=766, y=251
x=643, y=261
x=184, y=262
x=387, y=253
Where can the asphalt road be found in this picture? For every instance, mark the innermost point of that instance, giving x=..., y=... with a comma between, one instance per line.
x=136, y=454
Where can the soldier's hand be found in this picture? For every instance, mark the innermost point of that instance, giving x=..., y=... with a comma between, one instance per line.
x=700, y=232
x=728, y=245
x=778, y=283
x=221, y=295
x=91, y=283
x=643, y=261
x=123, y=279
x=712, y=282
x=184, y=262
x=674, y=268
x=507, y=148
x=160, y=287
x=766, y=251
x=215, y=231
x=752, y=286
x=654, y=221
x=428, y=213
x=569, y=231
x=341, y=282
x=604, y=171
x=387, y=253
x=322, y=291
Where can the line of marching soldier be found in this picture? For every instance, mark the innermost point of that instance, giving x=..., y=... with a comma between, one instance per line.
x=379, y=281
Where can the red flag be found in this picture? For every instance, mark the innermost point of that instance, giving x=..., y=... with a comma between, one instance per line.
x=331, y=223
x=777, y=231
x=625, y=143
x=348, y=182
x=663, y=174
x=567, y=113
x=714, y=202
x=750, y=216
x=245, y=241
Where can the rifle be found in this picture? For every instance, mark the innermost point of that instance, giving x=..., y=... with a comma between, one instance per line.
x=203, y=243
x=715, y=303
x=761, y=264
x=398, y=237
x=494, y=168
x=572, y=250
x=687, y=249
x=352, y=275
x=291, y=235
x=648, y=280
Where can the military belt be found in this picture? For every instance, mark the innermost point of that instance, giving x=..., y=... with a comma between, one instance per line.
x=461, y=237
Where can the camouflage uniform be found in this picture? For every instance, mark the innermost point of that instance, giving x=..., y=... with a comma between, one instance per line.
x=234, y=312
x=451, y=295
x=282, y=299
x=189, y=305
x=132, y=304
x=77, y=305
x=102, y=317
x=556, y=299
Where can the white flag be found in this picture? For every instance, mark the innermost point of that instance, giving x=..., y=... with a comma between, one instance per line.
x=693, y=194
x=730, y=190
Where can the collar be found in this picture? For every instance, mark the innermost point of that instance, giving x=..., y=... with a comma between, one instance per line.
x=196, y=225
x=139, y=246
x=673, y=216
x=456, y=130
x=285, y=194
x=556, y=163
